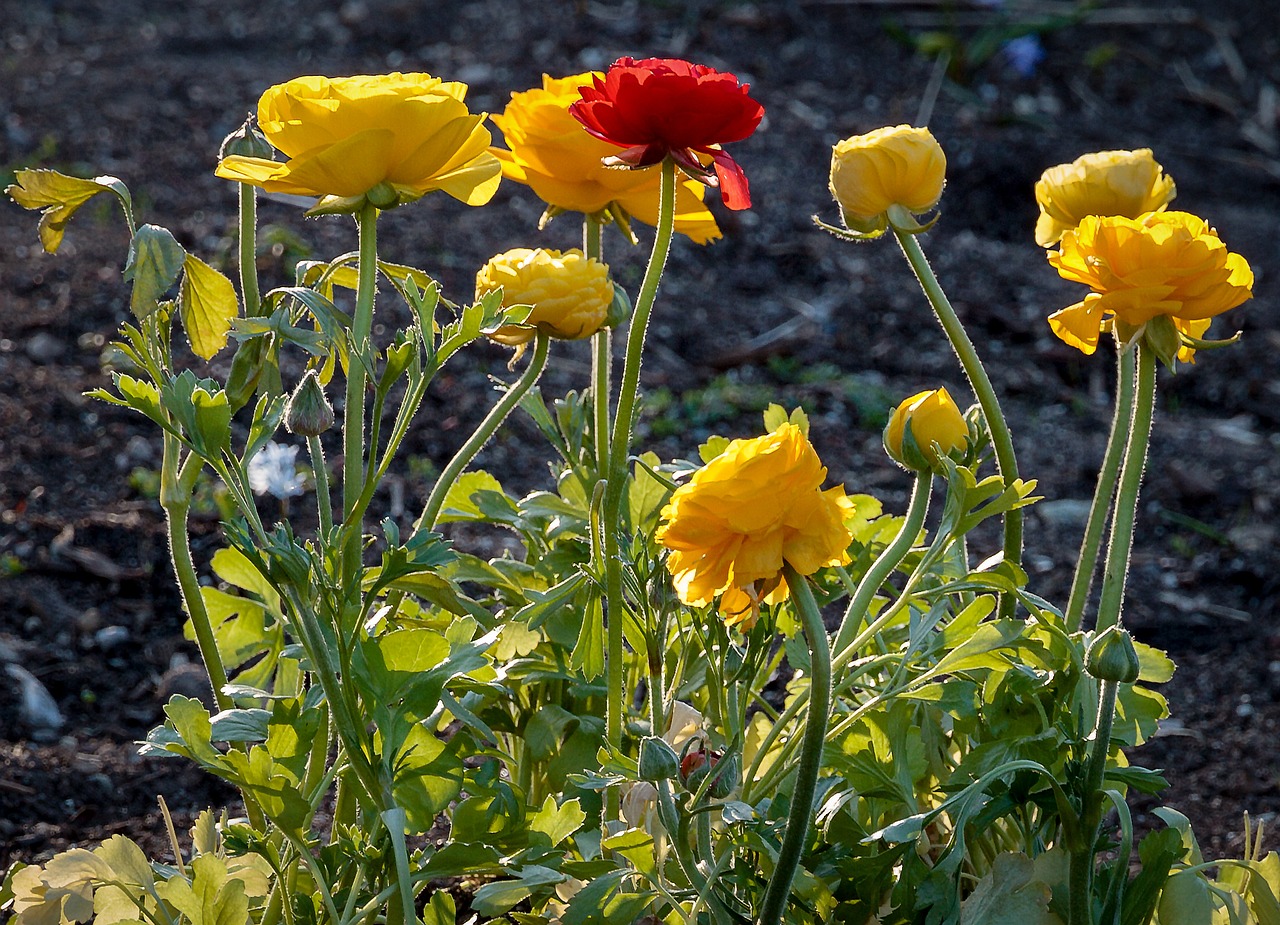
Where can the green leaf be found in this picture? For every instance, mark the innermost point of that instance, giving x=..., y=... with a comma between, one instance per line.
x=496, y=898
x=207, y=304
x=60, y=196
x=428, y=777
x=1009, y=895
x=459, y=503
x=714, y=446
x=234, y=567
x=646, y=493
x=126, y=860
x=155, y=259
x=588, y=651
x=210, y=898
x=602, y=902
x=558, y=822
x=548, y=728
x=1155, y=667
x=1186, y=900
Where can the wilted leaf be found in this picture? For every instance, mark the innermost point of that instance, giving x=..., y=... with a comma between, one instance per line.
x=60, y=196
x=155, y=259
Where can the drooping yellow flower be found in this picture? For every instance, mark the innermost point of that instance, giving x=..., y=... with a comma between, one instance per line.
x=1160, y=264
x=932, y=418
x=1127, y=183
x=554, y=156
x=757, y=505
x=570, y=293
x=898, y=166
x=392, y=137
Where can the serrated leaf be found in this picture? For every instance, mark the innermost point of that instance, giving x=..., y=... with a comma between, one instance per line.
x=714, y=446
x=60, y=196
x=211, y=898
x=155, y=259
x=126, y=860
x=207, y=304
x=428, y=777
x=558, y=822
x=1009, y=895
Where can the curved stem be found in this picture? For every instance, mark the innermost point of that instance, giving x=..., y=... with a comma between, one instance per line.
x=815, y=732
x=492, y=421
x=1001, y=441
x=887, y=561
x=1121, y=423
x=353, y=413
x=619, y=443
x=1126, y=509
x=324, y=505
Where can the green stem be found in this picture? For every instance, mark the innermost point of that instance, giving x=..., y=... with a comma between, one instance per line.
x=1080, y=870
x=175, y=497
x=1135, y=459
x=887, y=561
x=815, y=731
x=324, y=505
x=1121, y=423
x=492, y=421
x=353, y=413
x=620, y=441
x=1001, y=441
x=249, y=249
x=601, y=359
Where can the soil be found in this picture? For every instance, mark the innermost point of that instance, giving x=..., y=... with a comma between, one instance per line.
x=776, y=311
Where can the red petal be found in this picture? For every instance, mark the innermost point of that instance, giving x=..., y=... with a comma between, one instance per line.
x=734, y=189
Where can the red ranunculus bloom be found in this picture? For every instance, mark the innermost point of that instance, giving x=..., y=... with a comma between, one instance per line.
x=660, y=106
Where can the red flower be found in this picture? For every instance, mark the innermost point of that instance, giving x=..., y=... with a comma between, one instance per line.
x=664, y=106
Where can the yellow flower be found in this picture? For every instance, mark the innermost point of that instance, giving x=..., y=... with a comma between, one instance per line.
x=1127, y=183
x=929, y=417
x=570, y=293
x=553, y=154
x=900, y=166
x=1160, y=264
x=392, y=137
x=757, y=505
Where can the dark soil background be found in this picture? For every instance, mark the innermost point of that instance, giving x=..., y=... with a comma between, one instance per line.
x=775, y=311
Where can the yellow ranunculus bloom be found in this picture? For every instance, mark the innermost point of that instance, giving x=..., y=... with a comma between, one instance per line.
x=552, y=153
x=393, y=137
x=570, y=293
x=1162, y=263
x=1128, y=183
x=933, y=418
x=898, y=165
x=757, y=505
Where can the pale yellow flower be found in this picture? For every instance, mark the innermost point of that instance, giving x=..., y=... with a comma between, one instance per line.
x=898, y=165
x=554, y=155
x=1162, y=263
x=570, y=293
x=757, y=505
x=1127, y=183
x=392, y=137
x=933, y=418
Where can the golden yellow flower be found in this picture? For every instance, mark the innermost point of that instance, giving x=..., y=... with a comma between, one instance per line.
x=930, y=417
x=570, y=293
x=898, y=165
x=555, y=156
x=757, y=505
x=392, y=137
x=1162, y=263
x=1128, y=183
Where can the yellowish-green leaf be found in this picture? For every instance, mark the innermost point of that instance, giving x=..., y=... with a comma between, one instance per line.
x=517, y=640
x=458, y=505
x=127, y=860
x=59, y=196
x=558, y=822
x=208, y=304
x=232, y=567
x=210, y=898
x=1009, y=895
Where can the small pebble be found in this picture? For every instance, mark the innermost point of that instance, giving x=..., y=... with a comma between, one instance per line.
x=111, y=637
x=43, y=347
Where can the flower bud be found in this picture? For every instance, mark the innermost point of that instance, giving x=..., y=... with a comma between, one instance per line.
x=882, y=177
x=571, y=294
x=1127, y=183
x=247, y=141
x=1112, y=657
x=308, y=413
x=921, y=426
x=658, y=760
x=726, y=779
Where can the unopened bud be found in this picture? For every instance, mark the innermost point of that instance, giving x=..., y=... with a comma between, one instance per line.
x=1112, y=657
x=658, y=760
x=309, y=413
x=247, y=141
